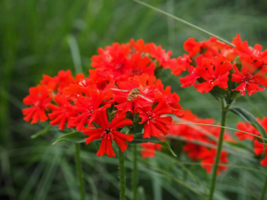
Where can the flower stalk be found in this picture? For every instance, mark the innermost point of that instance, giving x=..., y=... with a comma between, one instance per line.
x=134, y=173
x=224, y=110
x=79, y=170
x=122, y=175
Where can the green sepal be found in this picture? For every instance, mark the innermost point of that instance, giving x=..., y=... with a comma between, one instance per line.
x=138, y=139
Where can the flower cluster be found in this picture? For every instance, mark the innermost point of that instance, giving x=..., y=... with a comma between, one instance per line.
x=121, y=91
x=200, y=141
x=257, y=142
x=216, y=65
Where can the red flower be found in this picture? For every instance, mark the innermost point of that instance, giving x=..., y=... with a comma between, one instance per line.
x=208, y=159
x=108, y=132
x=252, y=55
x=259, y=149
x=192, y=47
x=61, y=113
x=160, y=55
x=248, y=79
x=245, y=126
x=86, y=109
x=149, y=149
x=182, y=64
x=154, y=123
x=121, y=96
x=215, y=73
x=39, y=98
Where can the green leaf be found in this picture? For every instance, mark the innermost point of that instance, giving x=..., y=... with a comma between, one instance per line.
x=248, y=117
x=42, y=132
x=138, y=139
x=75, y=137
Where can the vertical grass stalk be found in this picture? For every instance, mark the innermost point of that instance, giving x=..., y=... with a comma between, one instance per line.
x=134, y=174
x=264, y=189
x=122, y=175
x=219, y=148
x=79, y=170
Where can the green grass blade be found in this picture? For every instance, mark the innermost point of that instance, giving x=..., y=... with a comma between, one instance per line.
x=185, y=22
x=245, y=188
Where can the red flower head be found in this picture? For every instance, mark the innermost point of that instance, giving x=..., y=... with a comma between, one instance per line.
x=182, y=64
x=62, y=112
x=259, y=149
x=108, y=132
x=248, y=79
x=86, y=109
x=155, y=124
x=251, y=55
x=192, y=47
x=208, y=159
x=215, y=73
x=128, y=96
x=39, y=98
x=247, y=127
x=149, y=149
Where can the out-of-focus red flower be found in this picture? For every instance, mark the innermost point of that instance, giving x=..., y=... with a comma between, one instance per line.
x=200, y=140
x=259, y=149
x=247, y=127
x=149, y=149
x=39, y=99
x=108, y=132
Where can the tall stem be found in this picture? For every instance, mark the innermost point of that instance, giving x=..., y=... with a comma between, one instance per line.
x=79, y=170
x=264, y=190
x=134, y=177
x=219, y=148
x=122, y=175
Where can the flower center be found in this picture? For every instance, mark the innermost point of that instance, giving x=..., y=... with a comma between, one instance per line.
x=107, y=131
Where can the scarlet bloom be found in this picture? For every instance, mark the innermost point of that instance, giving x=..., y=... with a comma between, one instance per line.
x=259, y=149
x=61, y=112
x=247, y=127
x=215, y=72
x=208, y=159
x=39, y=99
x=249, y=81
x=121, y=96
x=155, y=124
x=108, y=132
x=149, y=149
x=192, y=47
x=252, y=55
x=86, y=109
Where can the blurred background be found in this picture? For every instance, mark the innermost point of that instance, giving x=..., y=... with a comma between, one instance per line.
x=39, y=37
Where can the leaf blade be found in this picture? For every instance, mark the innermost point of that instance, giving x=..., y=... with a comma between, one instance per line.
x=248, y=117
x=75, y=137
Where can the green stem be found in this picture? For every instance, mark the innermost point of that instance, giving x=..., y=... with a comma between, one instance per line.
x=79, y=171
x=122, y=175
x=219, y=148
x=264, y=190
x=135, y=180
